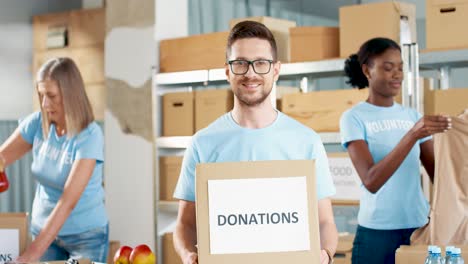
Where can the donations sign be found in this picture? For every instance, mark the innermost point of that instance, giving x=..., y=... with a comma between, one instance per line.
x=257, y=212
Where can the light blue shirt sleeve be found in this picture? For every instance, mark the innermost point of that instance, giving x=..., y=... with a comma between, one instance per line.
x=351, y=129
x=325, y=186
x=90, y=144
x=185, y=188
x=29, y=125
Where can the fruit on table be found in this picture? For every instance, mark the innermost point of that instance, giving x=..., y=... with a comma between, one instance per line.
x=122, y=255
x=3, y=177
x=142, y=254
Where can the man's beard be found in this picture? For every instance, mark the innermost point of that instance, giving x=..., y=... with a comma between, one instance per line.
x=246, y=99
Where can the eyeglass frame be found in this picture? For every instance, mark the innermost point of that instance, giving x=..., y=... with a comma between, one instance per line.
x=251, y=63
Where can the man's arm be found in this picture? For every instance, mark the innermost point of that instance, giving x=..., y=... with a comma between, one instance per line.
x=185, y=235
x=328, y=231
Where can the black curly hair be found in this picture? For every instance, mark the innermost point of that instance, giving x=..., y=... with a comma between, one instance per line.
x=365, y=55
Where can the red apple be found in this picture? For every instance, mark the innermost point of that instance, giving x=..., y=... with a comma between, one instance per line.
x=122, y=256
x=142, y=254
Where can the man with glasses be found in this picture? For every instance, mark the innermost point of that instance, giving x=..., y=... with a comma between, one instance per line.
x=253, y=130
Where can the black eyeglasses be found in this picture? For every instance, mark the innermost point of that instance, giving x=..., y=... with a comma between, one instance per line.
x=241, y=67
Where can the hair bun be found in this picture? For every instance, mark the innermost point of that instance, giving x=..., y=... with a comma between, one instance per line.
x=353, y=71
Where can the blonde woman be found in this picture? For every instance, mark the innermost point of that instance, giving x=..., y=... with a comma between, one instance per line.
x=68, y=215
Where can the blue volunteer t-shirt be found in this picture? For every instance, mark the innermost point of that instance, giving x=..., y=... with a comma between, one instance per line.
x=225, y=141
x=400, y=202
x=52, y=162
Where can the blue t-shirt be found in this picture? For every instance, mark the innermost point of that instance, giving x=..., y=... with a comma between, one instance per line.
x=52, y=162
x=225, y=141
x=400, y=202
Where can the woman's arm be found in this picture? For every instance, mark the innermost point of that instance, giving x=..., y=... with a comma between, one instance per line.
x=77, y=181
x=14, y=148
x=374, y=175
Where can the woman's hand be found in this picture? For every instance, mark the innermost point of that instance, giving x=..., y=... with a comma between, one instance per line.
x=324, y=258
x=429, y=125
x=191, y=258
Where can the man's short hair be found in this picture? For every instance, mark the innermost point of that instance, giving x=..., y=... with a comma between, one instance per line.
x=251, y=29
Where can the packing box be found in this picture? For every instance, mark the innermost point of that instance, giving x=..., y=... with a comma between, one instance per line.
x=197, y=52
x=344, y=250
x=314, y=43
x=418, y=253
x=445, y=22
x=394, y=18
x=211, y=104
x=271, y=190
x=169, y=168
x=169, y=256
x=14, y=235
x=178, y=117
x=80, y=28
x=279, y=28
x=321, y=110
x=451, y=101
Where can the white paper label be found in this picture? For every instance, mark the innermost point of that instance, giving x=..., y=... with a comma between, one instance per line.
x=258, y=215
x=345, y=178
x=9, y=245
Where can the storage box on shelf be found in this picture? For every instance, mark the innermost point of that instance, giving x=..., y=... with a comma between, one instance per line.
x=344, y=249
x=178, y=117
x=169, y=170
x=451, y=102
x=197, y=52
x=279, y=28
x=445, y=22
x=211, y=104
x=170, y=256
x=314, y=43
x=321, y=110
x=354, y=30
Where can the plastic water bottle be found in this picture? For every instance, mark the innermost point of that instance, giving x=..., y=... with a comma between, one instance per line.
x=448, y=253
x=429, y=253
x=456, y=257
x=435, y=256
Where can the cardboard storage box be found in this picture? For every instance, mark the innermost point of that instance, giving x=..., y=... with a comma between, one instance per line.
x=82, y=28
x=322, y=110
x=14, y=235
x=169, y=255
x=169, y=171
x=418, y=254
x=446, y=21
x=314, y=43
x=273, y=192
x=279, y=28
x=178, y=117
x=198, y=52
x=451, y=102
x=211, y=104
x=97, y=97
x=344, y=249
x=356, y=25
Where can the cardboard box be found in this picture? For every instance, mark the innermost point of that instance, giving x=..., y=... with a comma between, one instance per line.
x=169, y=171
x=169, y=256
x=211, y=104
x=113, y=247
x=97, y=97
x=344, y=250
x=314, y=43
x=14, y=235
x=322, y=110
x=178, y=117
x=279, y=28
x=452, y=101
x=82, y=28
x=354, y=30
x=198, y=52
x=217, y=193
x=87, y=27
x=418, y=253
x=439, y=15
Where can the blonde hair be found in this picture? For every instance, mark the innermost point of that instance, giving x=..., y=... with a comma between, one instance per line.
x=76, y=105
